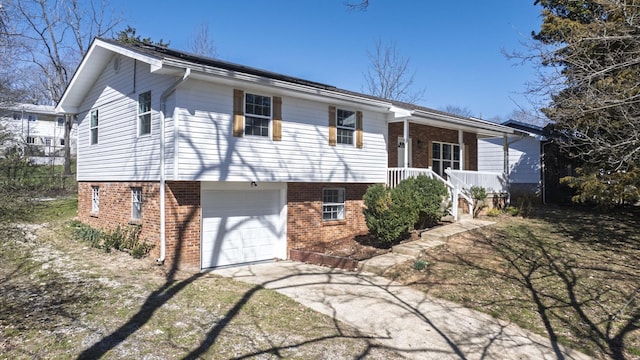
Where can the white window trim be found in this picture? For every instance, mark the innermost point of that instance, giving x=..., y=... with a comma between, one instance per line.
x=96, y=128
x=343, y=204
x=442, y=160
x=140, y=115
x=136, y=198
x=269, y=118
x=95, y=199
x=352, y=129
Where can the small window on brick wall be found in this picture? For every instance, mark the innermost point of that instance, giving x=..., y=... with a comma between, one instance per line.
x=136, y=203
x=95, y=199
x=332, y=204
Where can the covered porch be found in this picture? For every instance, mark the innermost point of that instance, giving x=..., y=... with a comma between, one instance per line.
x=444, y=146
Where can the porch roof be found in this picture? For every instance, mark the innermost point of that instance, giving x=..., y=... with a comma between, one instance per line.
x=431, y=117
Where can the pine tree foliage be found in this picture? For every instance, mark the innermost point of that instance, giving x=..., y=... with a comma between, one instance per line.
x=595, y=93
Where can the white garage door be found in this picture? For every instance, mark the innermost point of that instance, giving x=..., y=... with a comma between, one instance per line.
x=240, y=227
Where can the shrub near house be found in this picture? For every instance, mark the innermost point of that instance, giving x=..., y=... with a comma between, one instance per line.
x=414, y=204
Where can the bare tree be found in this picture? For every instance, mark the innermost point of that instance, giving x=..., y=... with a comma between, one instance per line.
x=458, y=110
x=55, y=35
x=389, y=75
x=201, y=43
x=529, y=117
x=361, y=5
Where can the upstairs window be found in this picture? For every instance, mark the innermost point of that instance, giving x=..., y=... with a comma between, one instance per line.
x=144, y=113
x=94, y=127
x=136, y=203
x=32, y=118
x=332, y=204
x=17, y=116
x=95, y=199
x=60, y=121
x=346, y=126
x=257, y=110
x=61, y=142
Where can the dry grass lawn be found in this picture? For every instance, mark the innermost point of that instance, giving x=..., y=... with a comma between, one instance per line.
x=62, y=299
x=572, y=275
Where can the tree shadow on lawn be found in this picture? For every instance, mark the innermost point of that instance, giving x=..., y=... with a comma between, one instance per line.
x=580, y=269
x=172, y=287
x=616, y=228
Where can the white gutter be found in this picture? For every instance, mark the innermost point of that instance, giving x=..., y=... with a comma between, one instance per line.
x=163, y=103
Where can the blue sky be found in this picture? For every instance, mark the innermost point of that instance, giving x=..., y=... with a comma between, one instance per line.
x=454, y=46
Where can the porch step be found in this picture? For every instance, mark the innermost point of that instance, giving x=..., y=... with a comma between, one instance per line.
x=378, y=264
x=417, y=248
x=414, y=249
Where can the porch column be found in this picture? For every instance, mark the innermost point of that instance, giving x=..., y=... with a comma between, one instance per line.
x=406, y=142
x=461, y=146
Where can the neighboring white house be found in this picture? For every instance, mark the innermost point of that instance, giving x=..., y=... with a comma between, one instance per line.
x=38, y=132
x=222, y=164
x=524, y=161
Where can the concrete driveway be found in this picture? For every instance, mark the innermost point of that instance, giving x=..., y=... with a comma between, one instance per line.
x=398, y=317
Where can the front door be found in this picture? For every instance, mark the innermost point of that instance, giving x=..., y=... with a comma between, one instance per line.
x=401, y=152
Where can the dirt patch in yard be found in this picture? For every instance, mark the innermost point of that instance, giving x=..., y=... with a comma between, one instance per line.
x=346, y=253
x=359, y=247
x=64, y=299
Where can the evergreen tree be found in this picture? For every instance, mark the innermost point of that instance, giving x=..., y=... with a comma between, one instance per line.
x=595, y=103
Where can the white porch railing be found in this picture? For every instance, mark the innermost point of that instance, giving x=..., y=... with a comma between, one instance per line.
x=396, y=175
x=493, y=182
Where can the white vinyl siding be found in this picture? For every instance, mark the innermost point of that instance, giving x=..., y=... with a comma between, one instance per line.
x=121, y=155
x=524, y=158
x=207, y=151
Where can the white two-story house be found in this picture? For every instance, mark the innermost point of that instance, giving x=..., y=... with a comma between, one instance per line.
x=37, y=131
x=224, y=164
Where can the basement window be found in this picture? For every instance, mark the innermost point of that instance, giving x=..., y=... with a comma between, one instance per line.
x=136, y=203
x=332, y=204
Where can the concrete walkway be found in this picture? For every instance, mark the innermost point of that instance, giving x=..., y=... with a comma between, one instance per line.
x=414, y=249
x=398, y=317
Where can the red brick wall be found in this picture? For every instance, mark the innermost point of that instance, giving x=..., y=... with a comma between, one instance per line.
x=182, y=216
x=304, y=214
x=183, y=225
x=422, y=136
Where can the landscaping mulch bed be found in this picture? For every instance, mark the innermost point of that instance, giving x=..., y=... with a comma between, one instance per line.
x=346, y=253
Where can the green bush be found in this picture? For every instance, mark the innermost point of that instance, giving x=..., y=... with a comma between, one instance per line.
x=605, y=189
x=414, y=203
x=119, y=239
x=494, y=212
x=479, y=195
x=425, y=197
x=420, y=264
x=381, y=214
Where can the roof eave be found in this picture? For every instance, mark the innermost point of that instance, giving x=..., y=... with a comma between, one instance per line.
x=90, y=68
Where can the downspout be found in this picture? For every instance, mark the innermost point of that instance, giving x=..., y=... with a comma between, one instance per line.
x=163, y=104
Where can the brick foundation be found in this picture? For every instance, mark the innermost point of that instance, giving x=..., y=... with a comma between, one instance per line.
x=305, y=226
x=182, y=216
x=422, y=136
